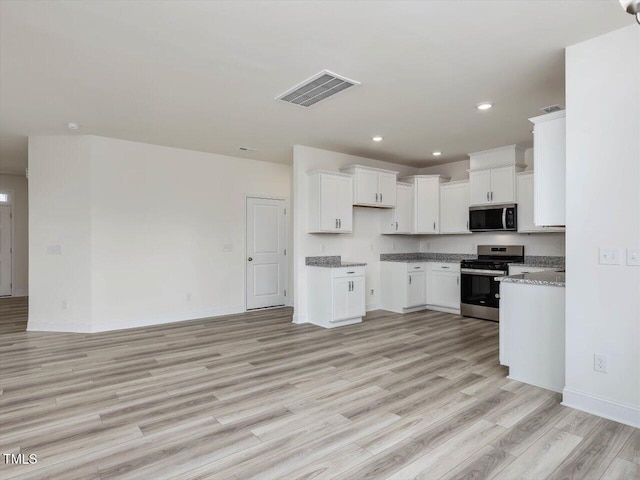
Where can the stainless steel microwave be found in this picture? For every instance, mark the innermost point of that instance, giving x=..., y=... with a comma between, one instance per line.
x=490, y=218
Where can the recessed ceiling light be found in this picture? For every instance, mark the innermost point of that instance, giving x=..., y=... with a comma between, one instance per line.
x=73, y=126
x=437, y=154
x=484, y=106
x=377, y=138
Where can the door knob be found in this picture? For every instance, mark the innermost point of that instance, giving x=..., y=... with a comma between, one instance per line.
x=250, y=259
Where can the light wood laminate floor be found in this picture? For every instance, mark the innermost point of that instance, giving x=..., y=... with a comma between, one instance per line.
x=254, y=396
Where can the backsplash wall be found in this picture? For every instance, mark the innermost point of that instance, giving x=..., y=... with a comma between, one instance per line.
x=534, y=243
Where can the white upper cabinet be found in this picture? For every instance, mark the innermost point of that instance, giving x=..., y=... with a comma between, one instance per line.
x=399, y=220
x=426, y=202
x=525, y=181
x=329, y=204
x=454, y=207
x=373, y=187
x=479, y=187
x=549, y=159
x=493, y=186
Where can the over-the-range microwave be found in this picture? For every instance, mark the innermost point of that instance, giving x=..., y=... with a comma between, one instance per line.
x=491, y=218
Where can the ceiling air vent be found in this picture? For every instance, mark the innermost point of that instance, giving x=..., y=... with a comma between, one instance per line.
x=551, y=108
x=317, y=88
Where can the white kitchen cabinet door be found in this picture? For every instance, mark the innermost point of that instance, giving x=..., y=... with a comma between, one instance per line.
x=404, y=209
x=444, y=289
x=480, y=187
x=330, y=203
x=373, y=187
x=366, y=189
x=525, y=203
x=399, y=219
x=416, y=289
x=503, y=187
x=454, y=207
x=344, y=207
x=427, y=205
x=387, y=189
x=356, y=298
x=549, y=153
x=341, y=300
x=526, y=224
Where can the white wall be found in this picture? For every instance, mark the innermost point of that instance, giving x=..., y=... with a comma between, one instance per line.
x=365, y=243
x=551, y=244
x=60, y=221
x=17, y=185
x=157, y=219
x=603, y=210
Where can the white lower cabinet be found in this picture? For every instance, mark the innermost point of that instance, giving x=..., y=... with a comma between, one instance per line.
x=443, y=286
x=336, y=296
x=403, y=286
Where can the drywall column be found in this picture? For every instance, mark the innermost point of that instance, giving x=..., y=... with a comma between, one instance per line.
x=603, y=210
x=60, y=233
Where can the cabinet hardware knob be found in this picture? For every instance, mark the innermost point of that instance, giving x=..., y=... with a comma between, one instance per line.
x=409, y=279
x=250, y=259
x=376, y=198
x=380, y=198
x=396, y=226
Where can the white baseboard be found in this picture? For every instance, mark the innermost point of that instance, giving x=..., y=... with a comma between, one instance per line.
x=62, y=327
x=602, y=407
x=455, y=311
x=156, y=320
x=19, y=292
x=373, y=306
x=299, y=319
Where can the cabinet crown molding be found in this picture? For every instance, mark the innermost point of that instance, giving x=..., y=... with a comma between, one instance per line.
x=518, y=166
x=455, y=183
x=366, y=167
x=548, y=116
x=329, y=172
x=412, y=178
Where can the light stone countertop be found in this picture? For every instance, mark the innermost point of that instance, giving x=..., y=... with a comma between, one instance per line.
x=552, y=279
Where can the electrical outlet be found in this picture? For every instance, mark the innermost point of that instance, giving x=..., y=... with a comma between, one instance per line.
x=322, y=248
x=600, y=363
x=428, y=246
x=188, y=297
x=65, y=305
x=393, y=246
x=633, y=257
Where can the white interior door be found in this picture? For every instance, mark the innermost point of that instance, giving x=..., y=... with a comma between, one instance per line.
x=5, y=250
x=266, y=253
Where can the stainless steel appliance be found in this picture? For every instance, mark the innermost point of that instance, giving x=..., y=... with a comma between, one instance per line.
x=479, y=291
x=490, y=218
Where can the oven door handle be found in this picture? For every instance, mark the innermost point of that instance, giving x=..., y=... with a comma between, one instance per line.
x=483, y=273
x=504, y=218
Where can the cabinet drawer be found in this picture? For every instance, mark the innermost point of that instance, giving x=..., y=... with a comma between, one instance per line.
x=416, y=267
x=348, y=272
x=446, y=267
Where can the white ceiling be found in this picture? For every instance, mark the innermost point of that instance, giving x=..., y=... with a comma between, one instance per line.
x=203, y=75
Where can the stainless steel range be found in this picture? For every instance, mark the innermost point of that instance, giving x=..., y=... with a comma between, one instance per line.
x=479, y=291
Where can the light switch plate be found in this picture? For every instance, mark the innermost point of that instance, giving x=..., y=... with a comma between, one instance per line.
x=609, y=256
x=633, y=257
x=227, y=247
x=54, y=249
